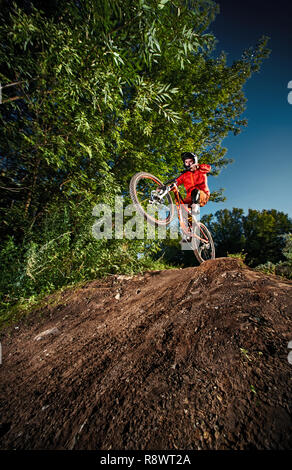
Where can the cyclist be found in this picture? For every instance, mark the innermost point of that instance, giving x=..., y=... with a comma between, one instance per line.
x=194, y=180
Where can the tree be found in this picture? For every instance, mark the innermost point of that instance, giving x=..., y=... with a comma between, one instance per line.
x=105, y=88
x=227, y=231
x=109, y=88
x=260, y=234
x=264, y=235
x=282, y=268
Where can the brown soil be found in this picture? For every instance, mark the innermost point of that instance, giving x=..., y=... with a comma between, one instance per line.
x=184, y=359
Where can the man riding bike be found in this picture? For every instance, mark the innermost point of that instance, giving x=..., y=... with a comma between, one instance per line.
x=194, y=179
x=157, y=200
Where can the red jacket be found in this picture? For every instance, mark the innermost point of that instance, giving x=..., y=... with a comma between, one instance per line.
x=195, y=179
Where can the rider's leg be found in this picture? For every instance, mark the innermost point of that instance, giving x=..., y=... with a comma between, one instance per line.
x=195, y=201
x=194, y=205
x=195, y=209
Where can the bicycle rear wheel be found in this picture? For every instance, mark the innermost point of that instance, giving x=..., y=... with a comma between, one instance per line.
x=146, y=195
x=202, y=243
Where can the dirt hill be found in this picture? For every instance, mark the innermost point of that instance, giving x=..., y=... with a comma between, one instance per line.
x=184, y=359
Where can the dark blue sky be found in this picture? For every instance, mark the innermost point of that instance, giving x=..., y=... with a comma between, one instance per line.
x=261, y=175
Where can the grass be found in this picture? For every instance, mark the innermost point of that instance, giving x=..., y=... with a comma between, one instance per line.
x=28, y=306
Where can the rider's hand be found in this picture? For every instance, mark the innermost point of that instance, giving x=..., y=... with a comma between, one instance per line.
x=194, y=167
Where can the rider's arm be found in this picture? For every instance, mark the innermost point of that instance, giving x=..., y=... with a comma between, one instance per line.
x=180, y=180
x=204, y=168
x=206, y=187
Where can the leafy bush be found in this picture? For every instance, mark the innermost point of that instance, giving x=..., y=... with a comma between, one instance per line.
x=240, y=256
x=283, y=268
x=63, y=252
x=267, y=268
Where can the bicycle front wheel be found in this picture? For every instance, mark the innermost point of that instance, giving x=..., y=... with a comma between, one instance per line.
x=145, y=193
x=203, y=244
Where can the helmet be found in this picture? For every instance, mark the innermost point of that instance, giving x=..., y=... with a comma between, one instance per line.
x=186, y=155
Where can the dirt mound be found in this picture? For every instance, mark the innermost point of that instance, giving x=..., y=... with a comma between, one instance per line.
x=184, y=359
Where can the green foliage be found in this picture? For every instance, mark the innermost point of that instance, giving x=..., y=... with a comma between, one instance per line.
x=105, y=88
x=239, y=256
x=110, y=88
x=287, y=250
x=227, y=231
x=267, y=268
x=64, y=252
x=283, y=268
x=259, y=234
x=264, y=234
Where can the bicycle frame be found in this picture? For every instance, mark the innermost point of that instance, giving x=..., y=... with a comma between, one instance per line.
x=181, y=205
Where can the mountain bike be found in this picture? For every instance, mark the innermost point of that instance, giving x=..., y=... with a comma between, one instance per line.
x=153, y=200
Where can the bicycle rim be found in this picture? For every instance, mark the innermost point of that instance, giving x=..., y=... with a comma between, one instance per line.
x=144, y=192
x=203, y=244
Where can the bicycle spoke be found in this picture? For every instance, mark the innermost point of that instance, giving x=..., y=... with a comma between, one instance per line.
x=145, y=192
x=203, y=244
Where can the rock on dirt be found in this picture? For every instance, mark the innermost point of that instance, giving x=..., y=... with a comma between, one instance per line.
x=197, y=360
x=44, y=334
